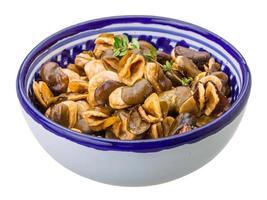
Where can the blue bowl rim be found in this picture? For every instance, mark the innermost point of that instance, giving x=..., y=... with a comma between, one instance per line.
x=150, y=145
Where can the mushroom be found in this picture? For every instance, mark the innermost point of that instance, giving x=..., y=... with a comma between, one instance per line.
x=55, y=78
x=199, y=95
x=214, y=79
x=115, y=99
x=102, y=43
x=216, y=102
x=148, y=50
x=110, y=62
x=198, y=57
x=42, y=93
x=185, y=66
x=124, y=133
x=76, y=69
x=213, y=66
x=78, y=86
x=110, y=135
x=82, y=58
x=155, y=75
x=103, y=91
x=175, y=97
x=212, y=98
x=155, y=131
x=162, y=57
x=97, y=81
x=224, y=79
x=167, y=123
x=151, y=110
x=136, y=124
x=98, y=118
x=174, y=78
x=63, y=113
x=71, y=74
x=203, y=120
x=132, y=67
x=105, y=38
x=161, y=129
x=81, y=123
x=183, y=122
x=137, y=93
x=197, y=78
x=189, y=106
x=94, y=67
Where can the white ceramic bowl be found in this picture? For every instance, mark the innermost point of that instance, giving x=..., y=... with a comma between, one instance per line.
x=143, y=162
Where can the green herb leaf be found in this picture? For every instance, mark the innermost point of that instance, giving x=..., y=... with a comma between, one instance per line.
x=186, y=81
x=167, y=66
x=134, y=44
x=121, y=45
x=123, y=52
x=125, y=41
x=117, y=42
x=116, y=52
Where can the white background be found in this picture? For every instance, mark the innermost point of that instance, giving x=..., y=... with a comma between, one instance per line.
x=28, y=172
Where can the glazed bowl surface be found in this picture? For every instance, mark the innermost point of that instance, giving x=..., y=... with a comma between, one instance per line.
x=140, y=162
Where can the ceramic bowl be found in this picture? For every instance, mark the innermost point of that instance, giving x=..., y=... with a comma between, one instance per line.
x=141, y=162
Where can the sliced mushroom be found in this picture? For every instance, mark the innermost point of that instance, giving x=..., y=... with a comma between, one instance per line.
x=151, y=110
x=116, y=128
x=174, y=78
x=83, y=58
x=185, y=66
x=110, y=135
x=212, y=98
x=98, y=118
x=124, y=133
x=78, y=86
x=162, y=57
x=183, y=122
x=115, y=99
x=175, y=97
x=222, y=106
x=132, y=68
x=71, y=74
x=64, y=113
x=189, y=106
x=67, y=96
x=42, y=93
x=55, y=78
x=196, y=56
x=100, y=49
x=222, y=76
x=93, y=67
x=197, y=78
x=166, y=124
x=199, y=95
x=155, y=131
x=105, y=38
x=76, y=69
x=97, y=81
x=81, y=123
x=213, y=66
x=103, y=91
x=148, y=50
x=103, y=42
x=214, y=79
x=137, y=93
x=203, y=120
x=110, y=62
x=136, y=124
x=155, y=75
